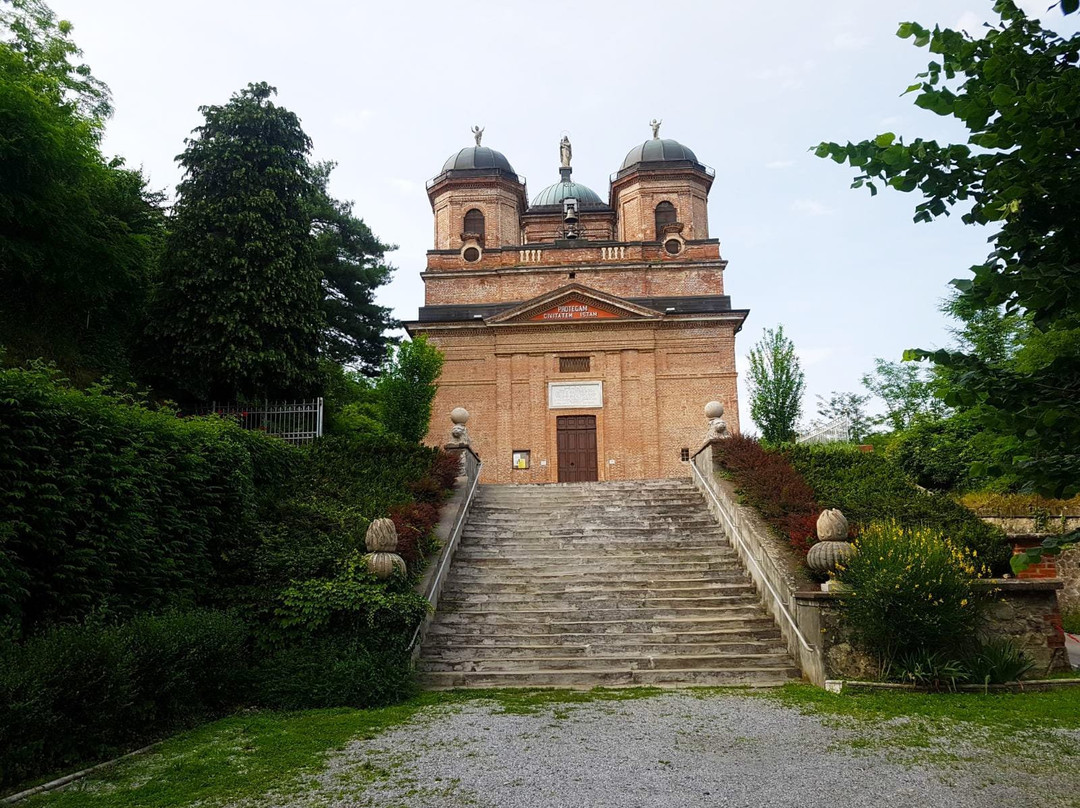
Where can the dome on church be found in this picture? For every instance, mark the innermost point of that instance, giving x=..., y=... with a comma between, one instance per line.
x=473, y=158
x=658, y=150
x=567, y=189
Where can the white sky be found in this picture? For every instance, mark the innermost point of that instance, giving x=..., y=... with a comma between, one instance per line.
x=390, y=89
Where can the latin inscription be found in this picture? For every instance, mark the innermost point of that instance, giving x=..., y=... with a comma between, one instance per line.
x=564, y=395
x=573, y=310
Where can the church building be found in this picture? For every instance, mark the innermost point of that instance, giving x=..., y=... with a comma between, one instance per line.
x=584, y=335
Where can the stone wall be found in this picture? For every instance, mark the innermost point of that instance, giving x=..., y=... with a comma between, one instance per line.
x=1024, y=612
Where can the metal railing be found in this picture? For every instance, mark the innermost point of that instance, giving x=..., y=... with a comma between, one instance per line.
x=732, y=530
x=296, y=422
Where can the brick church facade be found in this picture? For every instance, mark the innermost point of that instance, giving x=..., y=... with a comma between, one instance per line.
x=583, y=335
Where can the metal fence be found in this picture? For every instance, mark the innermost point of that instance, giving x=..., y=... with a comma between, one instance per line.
x=838, y=429
x=293, y=421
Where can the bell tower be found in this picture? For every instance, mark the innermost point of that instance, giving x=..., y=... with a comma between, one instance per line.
x=477, y=200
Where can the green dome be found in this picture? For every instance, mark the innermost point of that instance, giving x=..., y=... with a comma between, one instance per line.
x=567, y=189
x=478, y=158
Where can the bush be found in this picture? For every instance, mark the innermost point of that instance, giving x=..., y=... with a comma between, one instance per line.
x=83, y=692
x=936, y=453
x=332, y=671
x=868, y=488
x=768, y=482
x=912, y=592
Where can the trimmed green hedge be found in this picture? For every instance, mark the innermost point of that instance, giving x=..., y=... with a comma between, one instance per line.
x=868, y=488
x=115, y=509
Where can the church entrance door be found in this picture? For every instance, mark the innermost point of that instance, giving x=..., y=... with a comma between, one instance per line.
x=577, y=448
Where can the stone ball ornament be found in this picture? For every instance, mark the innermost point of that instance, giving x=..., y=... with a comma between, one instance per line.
x=381, y=541
x=459, y=435
x=714, y=409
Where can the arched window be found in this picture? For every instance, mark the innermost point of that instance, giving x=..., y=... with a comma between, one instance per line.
x=665, y=214
x=474, y=223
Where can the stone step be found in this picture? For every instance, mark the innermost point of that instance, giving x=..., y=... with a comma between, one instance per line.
x=456, y=588
x=774, y=660
x=614, y=677
x=727, y=571
x=579, y=600
x=464, y=652
x=572, y=565
x=765, y=631
x=495, y=623
x=736, y=607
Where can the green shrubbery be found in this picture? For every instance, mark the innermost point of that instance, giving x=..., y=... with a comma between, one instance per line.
x=868, y=488
x=114, y=509
x=113, y=513
x=80, y=692
x=912, y=591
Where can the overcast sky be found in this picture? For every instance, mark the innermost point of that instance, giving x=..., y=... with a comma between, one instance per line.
x=389, y=90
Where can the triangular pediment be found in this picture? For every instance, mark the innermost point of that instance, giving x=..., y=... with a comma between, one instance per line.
x=573, y=303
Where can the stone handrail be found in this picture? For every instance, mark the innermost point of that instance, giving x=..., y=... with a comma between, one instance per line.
x=775, y=572
x=448, y=532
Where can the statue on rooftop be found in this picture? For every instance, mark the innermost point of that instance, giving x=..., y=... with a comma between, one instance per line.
x=565, y=152
x=655, y=124
x=478, y=132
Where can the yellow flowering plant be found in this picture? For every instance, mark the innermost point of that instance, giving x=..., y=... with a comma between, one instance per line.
x=911, y=591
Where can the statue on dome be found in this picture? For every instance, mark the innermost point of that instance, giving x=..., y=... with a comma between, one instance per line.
x=478, y=132
x=565, y=152
x=655, y=124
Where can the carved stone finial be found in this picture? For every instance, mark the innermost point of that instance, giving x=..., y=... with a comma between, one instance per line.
x=655, y=124
x=459, y=435
x=832, y=547
x=714, y=411
x=565, y=152
x=478, y=132
x=381, y=542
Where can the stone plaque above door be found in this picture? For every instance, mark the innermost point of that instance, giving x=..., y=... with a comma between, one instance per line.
x=566, y=395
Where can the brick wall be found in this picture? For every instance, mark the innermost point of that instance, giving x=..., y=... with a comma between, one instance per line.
x=657, y=376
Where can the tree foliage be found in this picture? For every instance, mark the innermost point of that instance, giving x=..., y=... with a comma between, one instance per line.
x=79, y=234
x=238, y=313
x=351, y=260
x=846, y=405
x=777, y=384
x=1017, y=92
x=908, y=392
x=407, y=387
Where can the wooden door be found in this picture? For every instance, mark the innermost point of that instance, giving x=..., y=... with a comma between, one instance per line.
x=577, y=448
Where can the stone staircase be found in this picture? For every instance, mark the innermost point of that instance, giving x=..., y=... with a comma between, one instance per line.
x=599, y=584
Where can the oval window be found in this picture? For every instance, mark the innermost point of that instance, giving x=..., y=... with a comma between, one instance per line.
x=471, y=254
x=673, y=246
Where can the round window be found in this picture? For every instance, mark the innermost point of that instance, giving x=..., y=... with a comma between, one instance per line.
x=471, y=254
x=673, y=246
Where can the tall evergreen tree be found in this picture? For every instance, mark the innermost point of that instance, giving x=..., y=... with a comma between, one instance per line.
x=352, y=262
x=238, y=310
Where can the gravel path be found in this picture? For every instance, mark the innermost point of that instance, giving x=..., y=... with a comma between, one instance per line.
x=677, y=749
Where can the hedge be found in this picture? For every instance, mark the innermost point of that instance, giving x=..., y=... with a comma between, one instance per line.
x=79, y=693
x=868, y=488
x=116, y=509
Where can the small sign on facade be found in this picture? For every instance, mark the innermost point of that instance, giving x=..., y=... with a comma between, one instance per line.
x=521, y=458
x=568, y=395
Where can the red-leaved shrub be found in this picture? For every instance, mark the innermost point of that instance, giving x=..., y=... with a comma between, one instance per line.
x=414, y=522
x=769, y=483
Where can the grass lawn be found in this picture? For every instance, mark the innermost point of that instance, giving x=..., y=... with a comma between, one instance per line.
x=249, y=755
